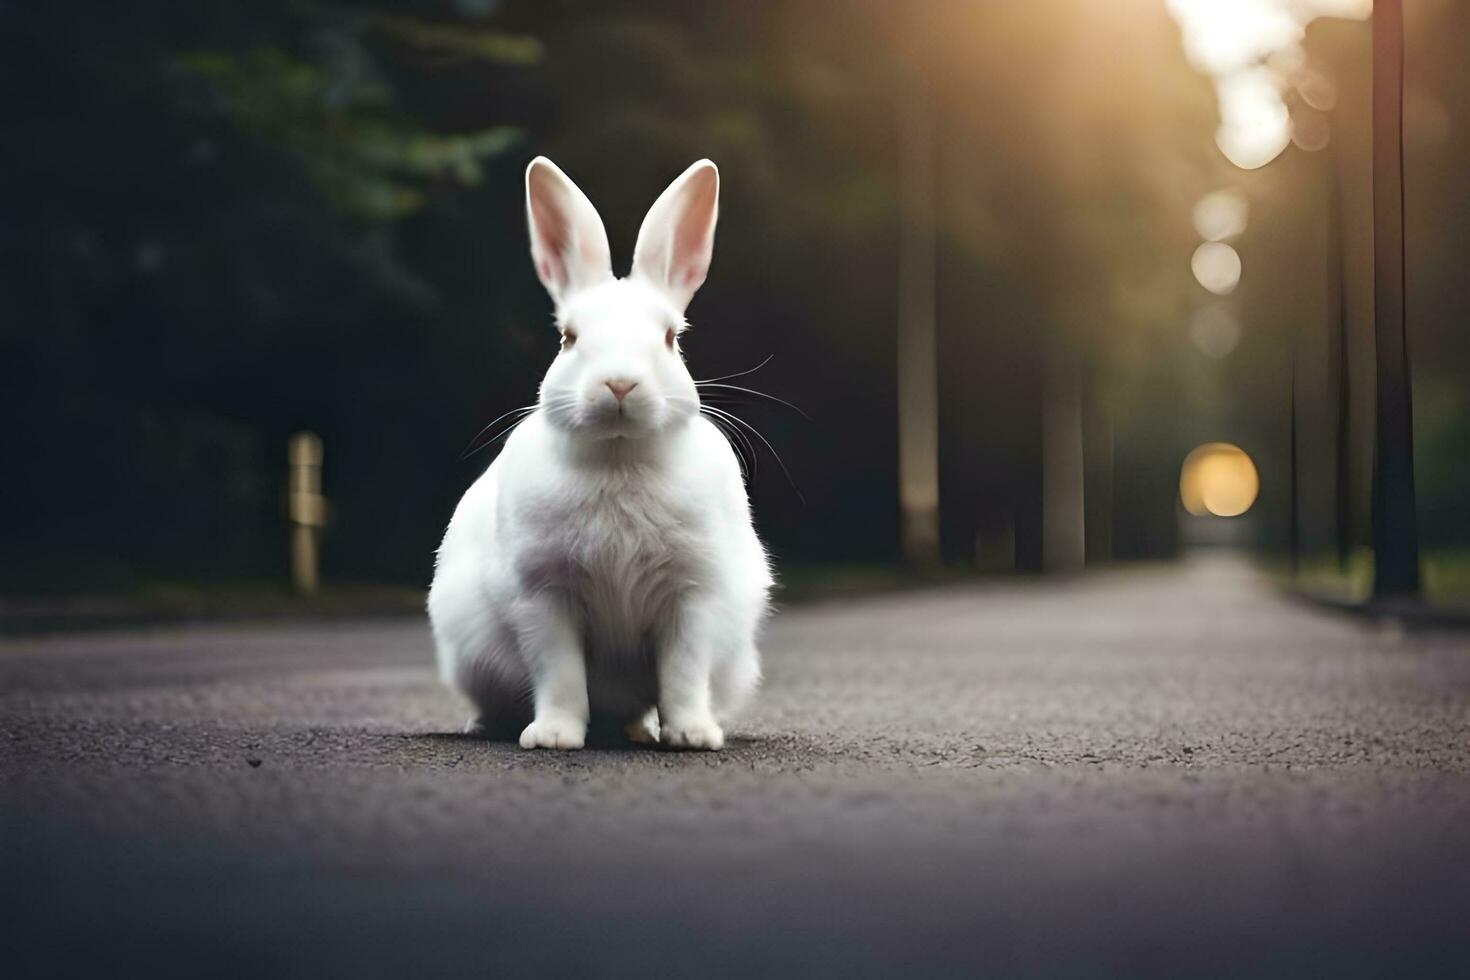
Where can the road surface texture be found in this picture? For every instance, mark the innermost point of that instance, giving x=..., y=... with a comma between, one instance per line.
x=1167, y=772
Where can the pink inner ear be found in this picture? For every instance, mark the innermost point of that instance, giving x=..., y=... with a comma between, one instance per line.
x=693, y=275
x=691, y=235
x=551, y=228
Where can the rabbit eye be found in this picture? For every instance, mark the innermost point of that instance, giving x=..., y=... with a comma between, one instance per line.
x=568, y=339
x=669, y=336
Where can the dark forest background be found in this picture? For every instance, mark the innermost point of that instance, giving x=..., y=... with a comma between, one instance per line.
x=227, y=221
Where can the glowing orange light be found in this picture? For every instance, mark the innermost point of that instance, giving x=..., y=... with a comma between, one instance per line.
x=1218, y=479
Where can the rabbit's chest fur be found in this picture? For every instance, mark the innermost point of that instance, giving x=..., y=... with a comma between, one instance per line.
x=622, y=547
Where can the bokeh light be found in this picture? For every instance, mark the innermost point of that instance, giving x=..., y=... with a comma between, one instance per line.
x=1317, y=90
x=1218, y=479
x=1309, y=129
x=1217, y=267
x=1214, y=331
x=1221, y=214
x=1255, y=125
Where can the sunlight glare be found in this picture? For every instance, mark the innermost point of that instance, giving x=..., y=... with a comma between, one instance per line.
x=1222, y=38
x=1252, y=50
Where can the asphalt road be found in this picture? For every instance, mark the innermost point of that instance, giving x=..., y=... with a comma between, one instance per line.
x=1167, y=772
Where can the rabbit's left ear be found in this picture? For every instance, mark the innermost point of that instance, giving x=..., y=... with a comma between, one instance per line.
x=678, y=235
x=568, y=242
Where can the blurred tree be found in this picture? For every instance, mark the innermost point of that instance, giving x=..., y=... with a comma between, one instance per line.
x=209, y=257
x=1076, y=143
x=1436, y=146
x=365, y=163
x=1395, y=513
x=1436, y=137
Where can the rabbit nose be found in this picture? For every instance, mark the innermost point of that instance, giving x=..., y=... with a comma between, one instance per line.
x=620, y=389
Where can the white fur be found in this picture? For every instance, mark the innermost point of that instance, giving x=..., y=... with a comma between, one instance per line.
x=606, y=563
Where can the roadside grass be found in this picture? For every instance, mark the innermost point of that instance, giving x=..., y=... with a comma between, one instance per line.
x=1445, y=574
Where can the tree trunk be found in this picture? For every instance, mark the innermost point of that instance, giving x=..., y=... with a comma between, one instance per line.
x=918, y=381
x=1294, y=515
x=1062, y=516
x=1338, y=369
x=1097, y=474
x=1395, y=522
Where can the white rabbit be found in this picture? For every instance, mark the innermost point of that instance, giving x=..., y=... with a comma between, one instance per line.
x=605, y=564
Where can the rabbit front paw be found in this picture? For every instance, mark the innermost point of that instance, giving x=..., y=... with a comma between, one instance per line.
x=692, y=732
x=554, y=732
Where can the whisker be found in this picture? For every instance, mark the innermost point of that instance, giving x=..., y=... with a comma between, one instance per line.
x=497, y=437
x=730, y=424
x=738, y=374
x=470, y=448
x=739, y=440
x=756, y=432
x=758, y=394
x=744, y=449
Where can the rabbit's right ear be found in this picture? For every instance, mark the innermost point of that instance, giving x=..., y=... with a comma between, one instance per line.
x=568, y=241
x=678, y=235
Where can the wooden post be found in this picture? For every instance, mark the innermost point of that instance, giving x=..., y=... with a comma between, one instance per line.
x=306, y=508
x=918, y=370
x=1395, y=519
